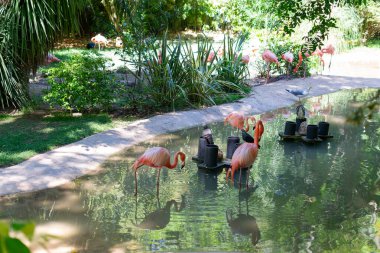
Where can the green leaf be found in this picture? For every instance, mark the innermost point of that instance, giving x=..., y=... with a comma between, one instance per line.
x=4, y=229
x=27, y=228
x=15, y=246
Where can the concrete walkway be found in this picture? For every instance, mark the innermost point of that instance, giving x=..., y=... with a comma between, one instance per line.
x=66, y=163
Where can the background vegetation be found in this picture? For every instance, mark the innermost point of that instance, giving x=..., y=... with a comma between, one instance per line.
x=33, y=27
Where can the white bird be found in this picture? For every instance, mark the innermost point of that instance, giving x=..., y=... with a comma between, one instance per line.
x=299, y=93
x=100, y=40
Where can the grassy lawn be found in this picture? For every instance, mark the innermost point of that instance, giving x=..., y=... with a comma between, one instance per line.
x=22, y=137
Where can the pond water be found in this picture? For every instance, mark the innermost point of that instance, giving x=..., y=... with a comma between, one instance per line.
x=308, y=198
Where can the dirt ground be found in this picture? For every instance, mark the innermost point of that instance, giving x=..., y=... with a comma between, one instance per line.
x=358, y=62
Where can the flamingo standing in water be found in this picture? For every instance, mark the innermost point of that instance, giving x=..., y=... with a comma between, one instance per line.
x=236, y=120
x=269, y=57
x=245, y=155
x=157, y=157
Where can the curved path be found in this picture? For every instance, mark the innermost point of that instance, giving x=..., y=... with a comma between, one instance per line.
x=66, y=163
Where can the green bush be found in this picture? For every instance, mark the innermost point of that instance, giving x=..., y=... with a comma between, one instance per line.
x=230, y=67
x=180, y=74
x=81, y=84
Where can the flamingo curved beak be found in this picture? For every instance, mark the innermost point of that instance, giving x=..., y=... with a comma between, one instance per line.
x=183, y=165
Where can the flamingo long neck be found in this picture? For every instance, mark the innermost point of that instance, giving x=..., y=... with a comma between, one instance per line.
x=174, y=164
x=258, y=131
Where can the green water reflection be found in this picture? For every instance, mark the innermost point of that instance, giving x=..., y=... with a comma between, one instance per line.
x=309, y=198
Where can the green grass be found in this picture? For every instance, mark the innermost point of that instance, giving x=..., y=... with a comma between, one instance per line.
x=66, y=54
x=373, y=43
x=22, y=137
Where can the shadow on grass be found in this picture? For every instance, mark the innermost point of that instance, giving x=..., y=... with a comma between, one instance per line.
x=22, y=137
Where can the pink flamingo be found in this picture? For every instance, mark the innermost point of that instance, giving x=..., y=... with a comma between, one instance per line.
x=157, y=157
x=159, y=57
x=269, y=57
x=300, y=59
x=51, y=58
x=211, y=56
x=288, y=57
x=100, y=40
x=221, y=52
x=300, y=62
x=329, y=50
x=236, y=120
x=245, y=59
x=319, y=53
x=245, y=155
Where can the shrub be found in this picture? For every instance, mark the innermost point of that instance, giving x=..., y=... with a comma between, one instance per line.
x=82, y=84
x=177, y=75
x=231, y=70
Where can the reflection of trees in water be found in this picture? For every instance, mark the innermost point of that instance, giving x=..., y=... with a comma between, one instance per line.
x=325, y=189
x=306, y=192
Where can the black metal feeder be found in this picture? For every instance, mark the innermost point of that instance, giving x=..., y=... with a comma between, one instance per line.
x=290, y=128
x=231, y=145
x=211, y=155
x=323, y=130
x=311, y=134
x=289, y=132
x=201, y=149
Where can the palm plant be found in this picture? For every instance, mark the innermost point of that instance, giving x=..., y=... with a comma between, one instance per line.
x=32, y=27
x=230, y=67
x=11, y=91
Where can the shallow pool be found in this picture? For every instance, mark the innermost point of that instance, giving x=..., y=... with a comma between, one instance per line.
x=307, y=198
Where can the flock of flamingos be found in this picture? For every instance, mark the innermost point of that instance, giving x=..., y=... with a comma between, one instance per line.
x=244, y=156
x=268, y=56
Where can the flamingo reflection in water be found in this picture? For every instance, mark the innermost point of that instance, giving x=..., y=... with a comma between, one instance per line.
x=160, y=218
x=157, y=157
x=244, y=224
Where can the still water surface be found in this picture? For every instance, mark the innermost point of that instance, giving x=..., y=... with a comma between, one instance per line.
x=309, y=198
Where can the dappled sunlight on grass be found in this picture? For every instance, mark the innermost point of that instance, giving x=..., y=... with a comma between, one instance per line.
x=24, y=136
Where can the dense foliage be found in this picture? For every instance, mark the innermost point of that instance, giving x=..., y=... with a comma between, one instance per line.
x=82, y=84
x=189, y=76
x=28, y=29
x=318, y=12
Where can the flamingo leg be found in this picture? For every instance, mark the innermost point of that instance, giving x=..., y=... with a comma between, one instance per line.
x=267, y=74
x=304, y=70
x=135, y=182
x=247, y=178
x=330, y=61
x=158, y=176
x=287, y=70
x=240, y=179
x=158, y=181
x=227, y=174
